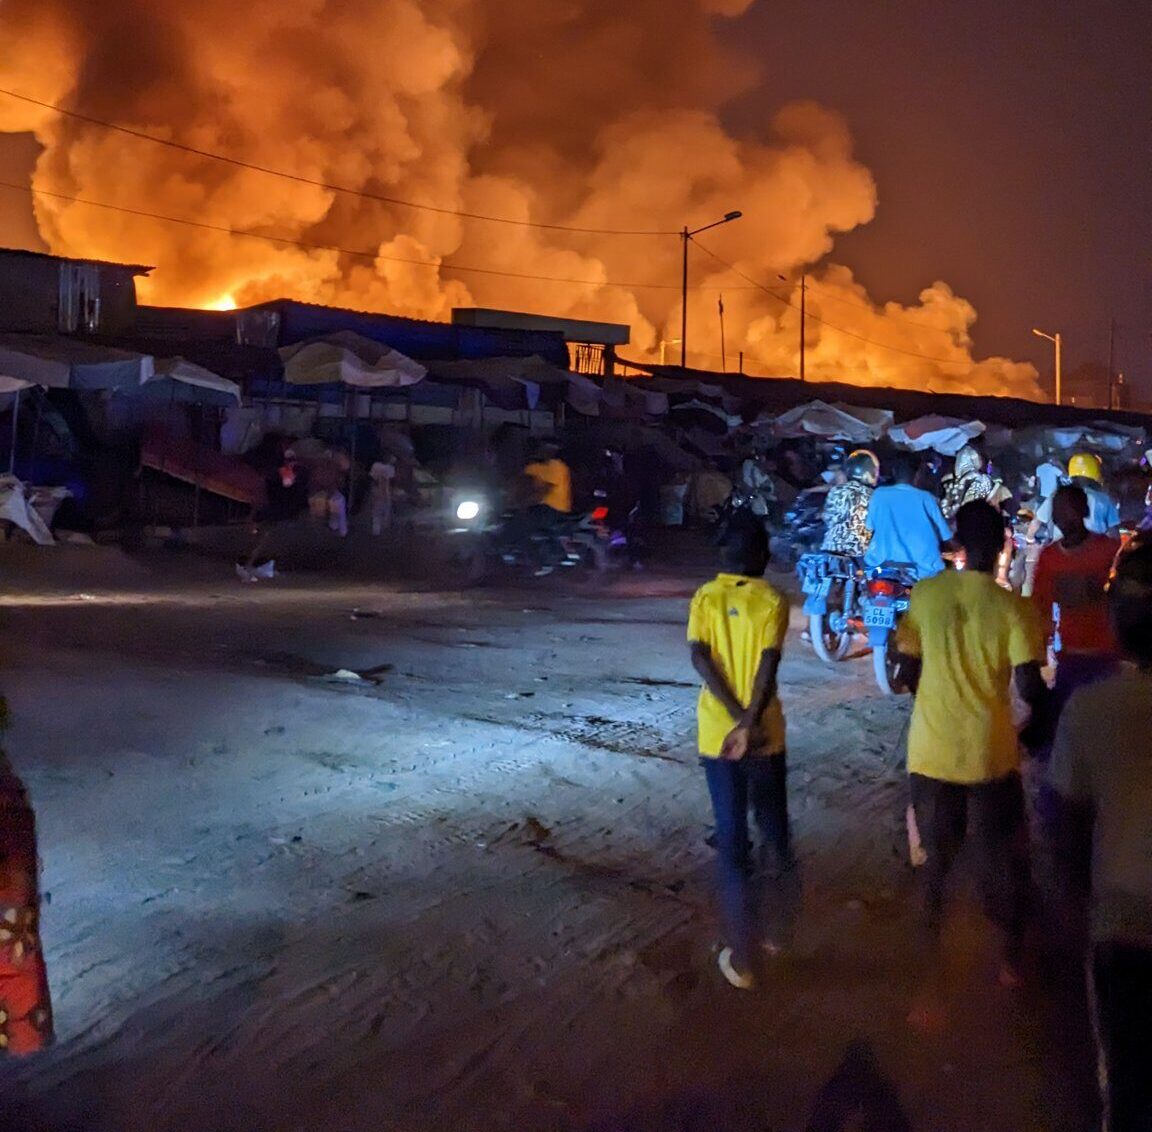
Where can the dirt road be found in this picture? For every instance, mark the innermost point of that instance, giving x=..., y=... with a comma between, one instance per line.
x=469, y=891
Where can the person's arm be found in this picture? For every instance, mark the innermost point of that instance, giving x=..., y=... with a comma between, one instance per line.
x=1044, y=592
x=1027, y=651
x=743, y=737
x=940, y=524
x=1114, y=523
x=905, y=644
x=714, y=680
x=1074, y=816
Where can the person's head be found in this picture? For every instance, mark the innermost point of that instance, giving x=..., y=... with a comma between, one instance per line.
x=1085, y=466
x=980, y=531
x=967, y=461
x=903, y=467
x=744, y=549
x=863, y=466
x=547, y=448
x=1130, y=603
x=1070, y=511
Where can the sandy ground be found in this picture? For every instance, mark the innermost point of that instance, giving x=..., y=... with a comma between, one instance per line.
x=470, y=893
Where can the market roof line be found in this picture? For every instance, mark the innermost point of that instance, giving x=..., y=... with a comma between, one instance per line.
x=329, y=187
x=831, y=325
x=342, y=251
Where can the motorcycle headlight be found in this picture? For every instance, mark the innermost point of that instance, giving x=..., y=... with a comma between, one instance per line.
x=467, y=510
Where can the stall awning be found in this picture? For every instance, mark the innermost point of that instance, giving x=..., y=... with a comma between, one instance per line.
x=69, y=363
x=946, y=435
x=184, y=381
x=852, y=423
x=350, y=359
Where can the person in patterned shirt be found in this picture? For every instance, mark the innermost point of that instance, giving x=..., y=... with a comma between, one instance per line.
x=846, y=508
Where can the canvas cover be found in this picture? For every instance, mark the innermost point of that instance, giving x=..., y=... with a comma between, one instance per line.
x=349, y=358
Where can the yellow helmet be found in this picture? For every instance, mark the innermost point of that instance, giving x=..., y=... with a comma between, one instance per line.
x=1087, y=466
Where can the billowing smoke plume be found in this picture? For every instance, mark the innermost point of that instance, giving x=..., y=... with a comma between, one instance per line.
x=580, y=113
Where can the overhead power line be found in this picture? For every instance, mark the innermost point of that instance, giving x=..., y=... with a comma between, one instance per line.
x=825, y=322
x=361, y=254
x=327, y=186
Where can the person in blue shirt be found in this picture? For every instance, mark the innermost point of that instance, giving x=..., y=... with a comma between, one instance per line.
x=907, y=524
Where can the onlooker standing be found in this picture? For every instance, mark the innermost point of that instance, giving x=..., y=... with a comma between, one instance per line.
x=1102, y=766
x=736, y=631
x=382, y=473
x=970, y=638
x=25, y=1006
x=1071, y=579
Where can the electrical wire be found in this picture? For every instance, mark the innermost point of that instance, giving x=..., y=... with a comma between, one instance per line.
x=328, y=187
x=830, y=325
x=286, y=240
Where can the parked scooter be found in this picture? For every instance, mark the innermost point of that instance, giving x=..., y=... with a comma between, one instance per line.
x=833, y=588
x=885, y=600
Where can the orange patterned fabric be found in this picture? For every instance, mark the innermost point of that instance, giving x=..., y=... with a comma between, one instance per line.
x=25, y=1008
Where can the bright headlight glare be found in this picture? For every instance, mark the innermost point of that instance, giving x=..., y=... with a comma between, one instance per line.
x=468, y=510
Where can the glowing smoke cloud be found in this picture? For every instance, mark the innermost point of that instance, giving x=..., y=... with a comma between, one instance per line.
x=590, y=113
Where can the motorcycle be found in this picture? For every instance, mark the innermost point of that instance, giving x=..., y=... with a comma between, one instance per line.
x=803, y=529
x=832, y=600
x=885, y=600
x=483, y=538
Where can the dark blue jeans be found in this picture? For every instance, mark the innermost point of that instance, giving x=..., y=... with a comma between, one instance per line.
x=759, y=783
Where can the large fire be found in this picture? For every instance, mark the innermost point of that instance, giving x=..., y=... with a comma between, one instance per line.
x=587, y=114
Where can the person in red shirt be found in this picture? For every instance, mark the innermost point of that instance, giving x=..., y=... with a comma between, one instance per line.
x=1071, y=597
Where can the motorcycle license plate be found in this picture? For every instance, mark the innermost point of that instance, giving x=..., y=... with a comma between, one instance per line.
x=879, y=617
x=817, y=587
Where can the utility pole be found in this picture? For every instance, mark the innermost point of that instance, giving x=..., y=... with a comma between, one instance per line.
x=1056, y=341
x=1111, y=361
x=723, y=350
x=803, y=314
x=685, y=235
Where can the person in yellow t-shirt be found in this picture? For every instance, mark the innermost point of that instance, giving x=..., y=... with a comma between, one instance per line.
x=967, y=640
x=736, y=629
x=551, y=479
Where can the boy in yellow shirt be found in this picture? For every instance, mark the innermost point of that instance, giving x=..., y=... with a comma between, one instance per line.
x=969, y=639
x=736, y=630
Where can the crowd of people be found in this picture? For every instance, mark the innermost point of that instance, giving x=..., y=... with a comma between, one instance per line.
x=1000, y=751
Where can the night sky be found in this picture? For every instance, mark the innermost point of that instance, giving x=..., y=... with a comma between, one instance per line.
x=1011, y=143
x=1012, y=148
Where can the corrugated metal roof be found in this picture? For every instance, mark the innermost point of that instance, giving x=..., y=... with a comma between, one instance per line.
x=418, y=338
x=135, y=268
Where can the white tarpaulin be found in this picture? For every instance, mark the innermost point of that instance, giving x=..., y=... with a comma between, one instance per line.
x=833, y=422
x=350, y=359
x=30, y=508
x=67, y=363
x=946, y=435
x=201, y=384
x=1103, y=436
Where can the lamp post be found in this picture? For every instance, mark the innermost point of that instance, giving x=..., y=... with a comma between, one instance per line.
x=1055, y=339
x=803, y=313
x=685, y=235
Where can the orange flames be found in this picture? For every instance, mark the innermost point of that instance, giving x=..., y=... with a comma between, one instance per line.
x=586, y=114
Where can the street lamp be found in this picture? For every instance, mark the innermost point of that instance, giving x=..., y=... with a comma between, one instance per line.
x=685, y=236
x=803, y=313
x=1055, y=340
